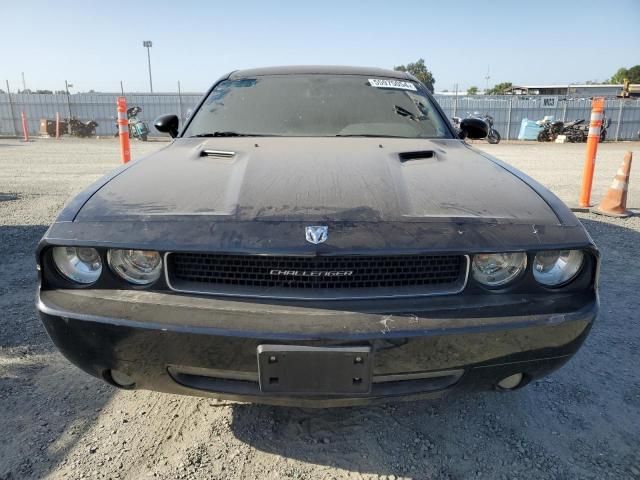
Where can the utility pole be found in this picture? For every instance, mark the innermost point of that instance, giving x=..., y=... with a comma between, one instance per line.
x=180, y=101
x=148, y=44
x=13, y=117
x=67, y=86
x=455, y=105
x=486, y=78
x=24, y=84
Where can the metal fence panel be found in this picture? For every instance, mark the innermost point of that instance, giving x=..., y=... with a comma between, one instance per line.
x=508, y=111
x=100, y=107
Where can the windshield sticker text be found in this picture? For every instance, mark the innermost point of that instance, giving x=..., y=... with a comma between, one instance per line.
x=388, y=83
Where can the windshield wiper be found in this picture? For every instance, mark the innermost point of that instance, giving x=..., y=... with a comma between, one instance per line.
x=230, y=134
x=404, y=112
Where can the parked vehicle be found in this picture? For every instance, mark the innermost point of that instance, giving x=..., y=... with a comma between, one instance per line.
x=606, y=122
x=317, y=236
x=78, y=128
x=574, y=131
x=549, y=130
x=455, y=122
x=137, y=128
x=493, y=136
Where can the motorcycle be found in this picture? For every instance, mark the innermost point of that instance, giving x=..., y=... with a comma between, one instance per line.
x=583, y=127
x=493, y=136
x=137, y=128
x=574, y=131
x=455, y=121
x=78, y=128
x=550, y=130
x=603, y=130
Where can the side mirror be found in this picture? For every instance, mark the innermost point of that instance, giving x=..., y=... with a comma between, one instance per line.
x=168, y=124
x=473, y=128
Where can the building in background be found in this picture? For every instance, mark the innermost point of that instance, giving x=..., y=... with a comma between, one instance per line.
x=587, y=90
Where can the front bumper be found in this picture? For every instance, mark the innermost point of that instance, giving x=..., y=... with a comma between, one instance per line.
x=207, y=346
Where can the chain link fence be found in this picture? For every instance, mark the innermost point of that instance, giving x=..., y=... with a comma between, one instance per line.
x=508, y=111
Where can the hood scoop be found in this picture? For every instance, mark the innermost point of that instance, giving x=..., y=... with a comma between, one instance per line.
x=418, y=155
x=217, y=153
x=342, y=180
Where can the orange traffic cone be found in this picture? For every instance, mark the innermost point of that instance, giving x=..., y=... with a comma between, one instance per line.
x=614, y=203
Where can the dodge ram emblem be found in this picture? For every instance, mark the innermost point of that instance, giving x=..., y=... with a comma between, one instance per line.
x=317, y=234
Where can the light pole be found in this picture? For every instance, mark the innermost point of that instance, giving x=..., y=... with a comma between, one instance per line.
x=487, y=77
x=148, y=44
x=67, y=86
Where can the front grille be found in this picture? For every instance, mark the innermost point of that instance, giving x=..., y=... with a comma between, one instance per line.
x=252, y=273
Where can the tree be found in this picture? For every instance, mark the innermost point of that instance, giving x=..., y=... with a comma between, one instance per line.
x=420, y=71
x=631, y=74
x=44, y=92
x=499, y=89
x=472, y=90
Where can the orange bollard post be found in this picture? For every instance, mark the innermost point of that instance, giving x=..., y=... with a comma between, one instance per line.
x=57, y=125
x=595, y=124
x=123, y=130
x=25, y=127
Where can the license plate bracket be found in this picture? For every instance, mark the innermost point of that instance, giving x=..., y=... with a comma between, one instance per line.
x=294, y=369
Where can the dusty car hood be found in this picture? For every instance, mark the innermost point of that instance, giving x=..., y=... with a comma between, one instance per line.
x=317, y=179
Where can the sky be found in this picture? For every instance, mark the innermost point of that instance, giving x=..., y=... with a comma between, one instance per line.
x=95, y=45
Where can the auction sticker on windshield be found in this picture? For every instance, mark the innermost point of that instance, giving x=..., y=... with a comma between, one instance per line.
x=388, y=83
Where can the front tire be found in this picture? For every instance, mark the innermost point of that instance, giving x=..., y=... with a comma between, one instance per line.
x=493, y=137
x=582, y=137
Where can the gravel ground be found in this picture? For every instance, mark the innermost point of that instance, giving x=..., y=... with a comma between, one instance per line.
x=559, y=166
x=57, y=422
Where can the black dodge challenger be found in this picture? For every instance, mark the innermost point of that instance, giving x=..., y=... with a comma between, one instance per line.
x=317, y=236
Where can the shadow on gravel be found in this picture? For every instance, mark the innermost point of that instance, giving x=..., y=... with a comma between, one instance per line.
x=18, y=323
x=47, y=404
x=619, y=245
x=424, y=439
x=5, y=197
x=12, y=144
x=48, y=407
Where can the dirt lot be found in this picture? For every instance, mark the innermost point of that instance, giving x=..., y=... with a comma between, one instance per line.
x=57, y=422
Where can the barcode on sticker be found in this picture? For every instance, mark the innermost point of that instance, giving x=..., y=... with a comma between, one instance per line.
x=388, y=83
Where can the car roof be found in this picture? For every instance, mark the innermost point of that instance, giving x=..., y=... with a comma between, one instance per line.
x=319, y=69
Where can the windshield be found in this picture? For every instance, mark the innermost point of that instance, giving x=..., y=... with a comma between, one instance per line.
x=318, y=106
